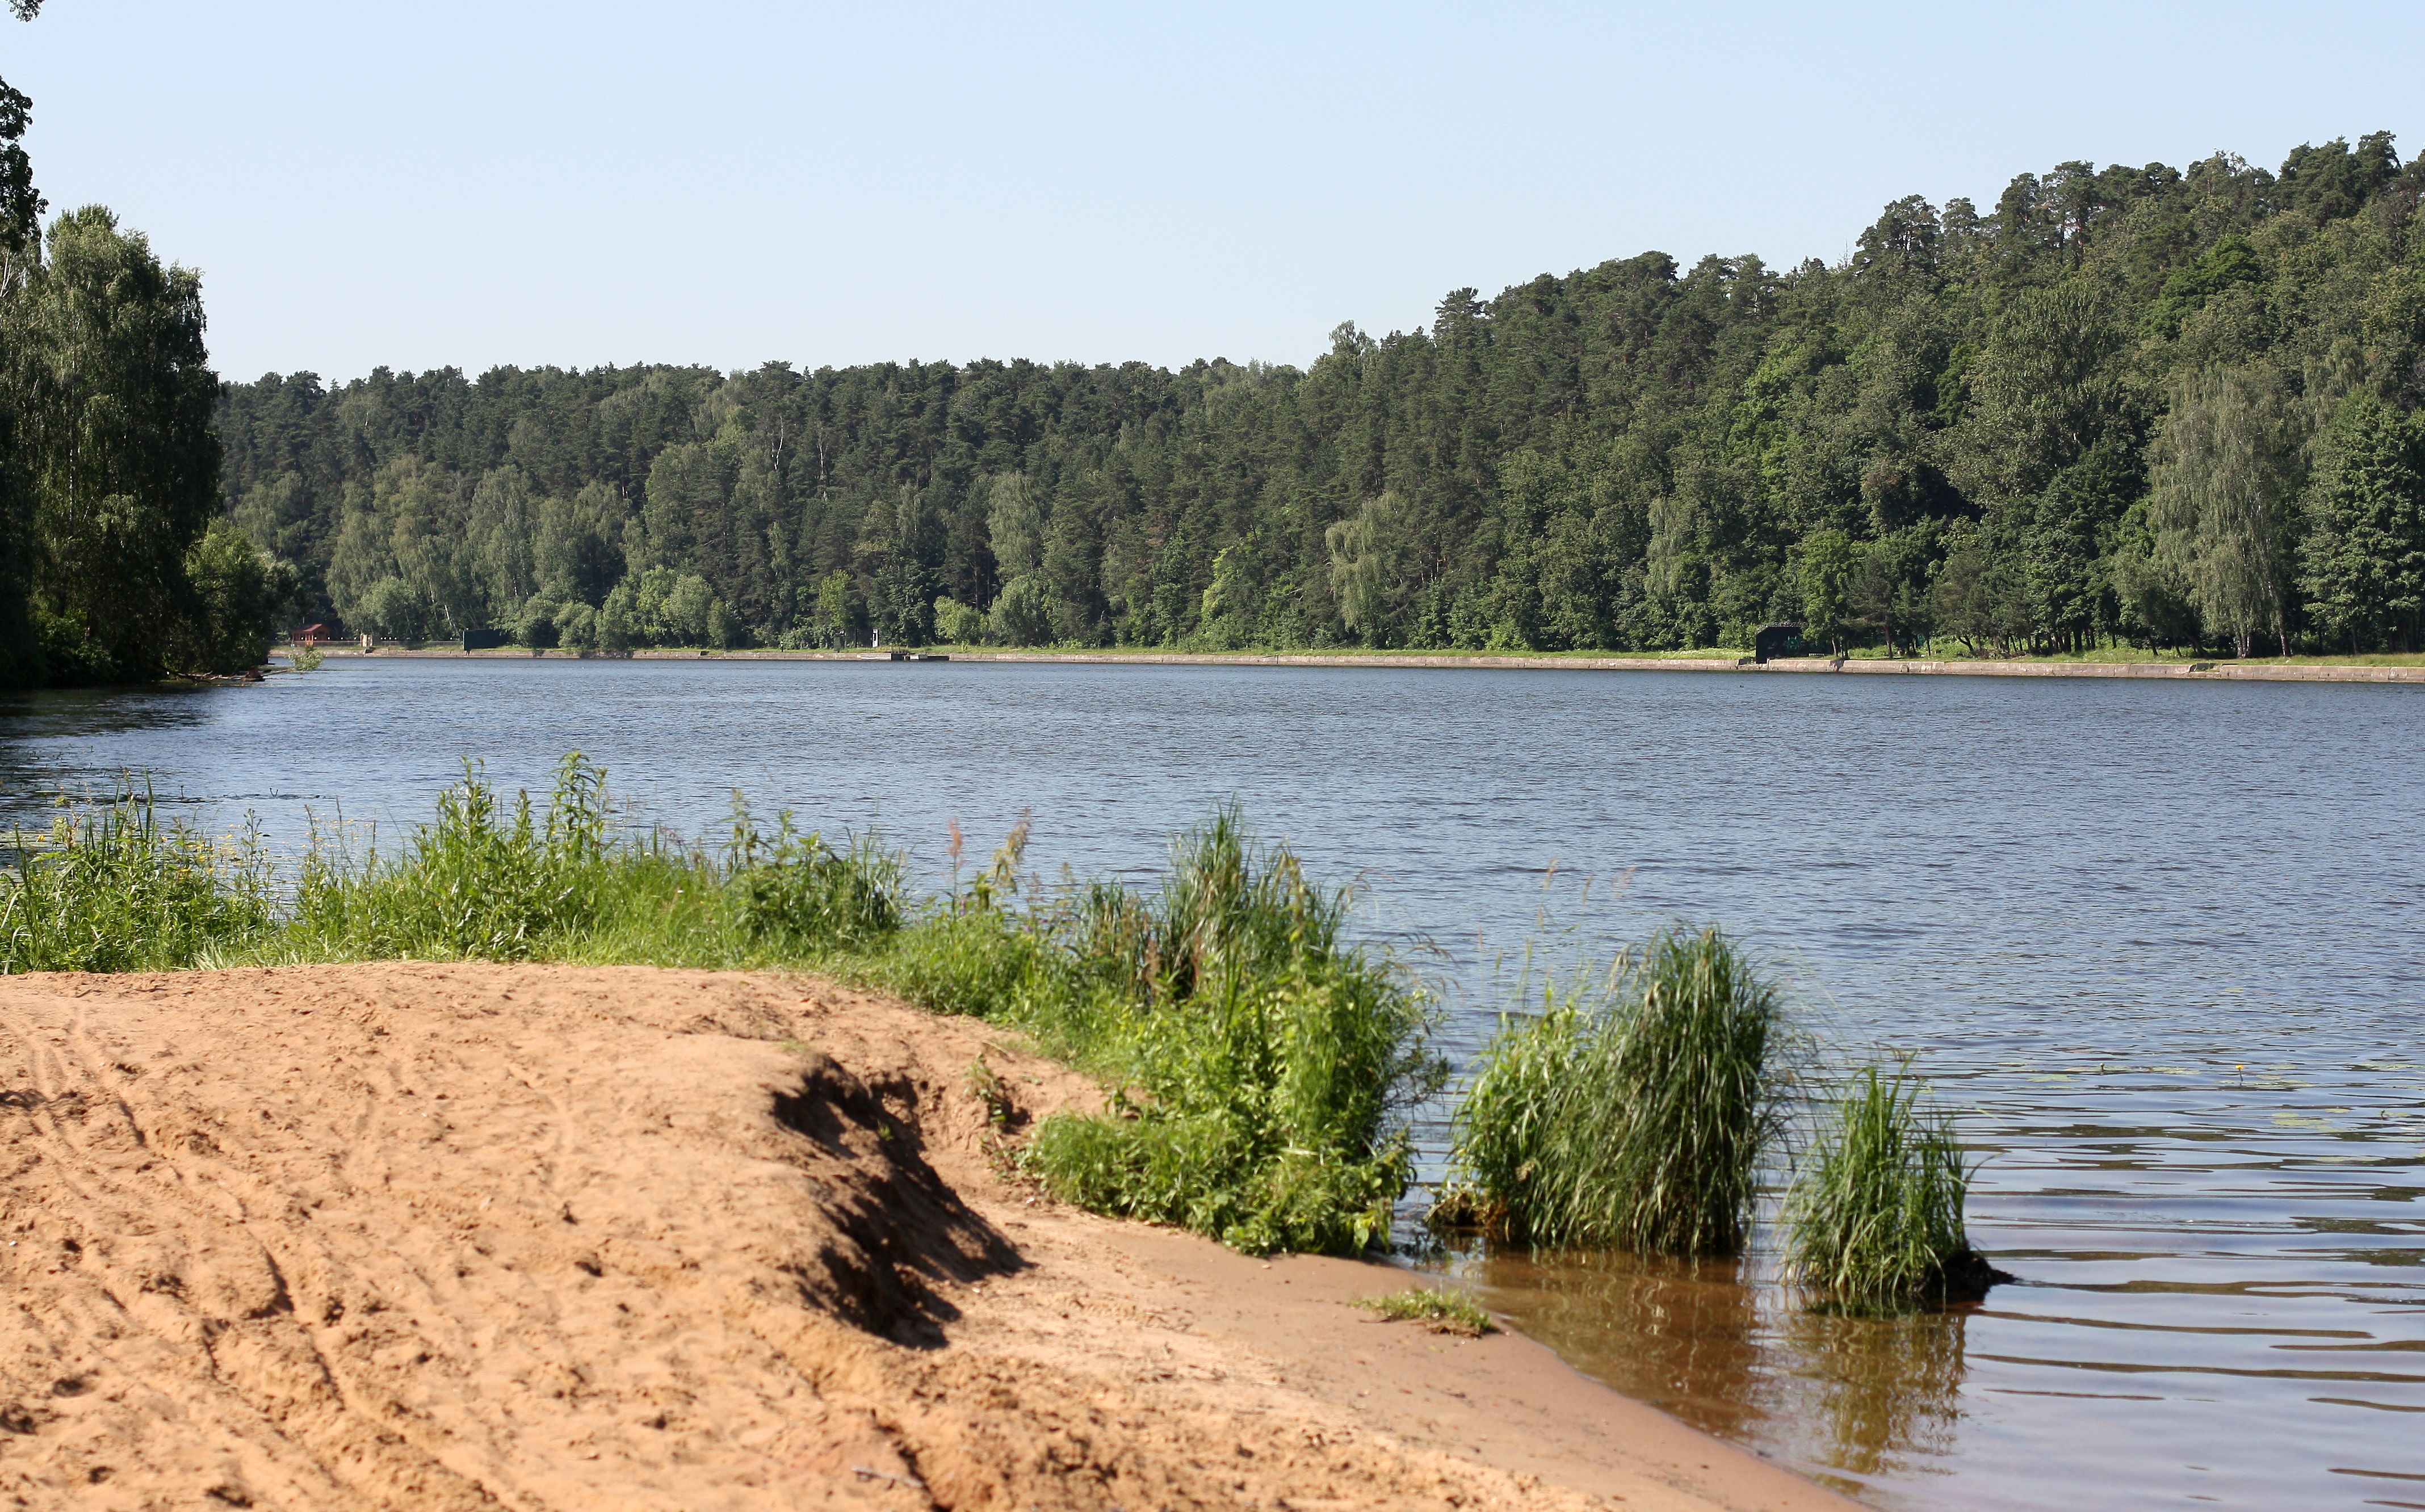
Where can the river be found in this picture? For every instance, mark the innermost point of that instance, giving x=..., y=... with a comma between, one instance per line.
x=2157, y=944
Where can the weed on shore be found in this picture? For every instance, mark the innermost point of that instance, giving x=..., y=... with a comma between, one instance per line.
x=1440, y=1311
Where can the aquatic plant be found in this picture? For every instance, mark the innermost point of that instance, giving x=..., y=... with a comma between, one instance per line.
x=1874, y=1218
x=1631, y=1111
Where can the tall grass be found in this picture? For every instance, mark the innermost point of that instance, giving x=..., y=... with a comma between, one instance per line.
x=1874, y=1218
x=111, y=888
x=484, y=879
x=1632, y=1111
x=1261, y=1063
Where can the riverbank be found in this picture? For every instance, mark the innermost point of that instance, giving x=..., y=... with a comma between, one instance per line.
x=441, y=1236
x=2262, y=672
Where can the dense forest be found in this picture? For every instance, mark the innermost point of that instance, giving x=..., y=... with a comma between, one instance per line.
x=117, y=562
x=2125, y=406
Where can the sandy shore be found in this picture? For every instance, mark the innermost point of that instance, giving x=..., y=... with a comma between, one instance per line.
x=445, y=1236
x=2192, y=671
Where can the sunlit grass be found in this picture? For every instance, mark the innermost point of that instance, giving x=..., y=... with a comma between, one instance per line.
x=1440, y=1311
x=1873, y=1219
x=1260, y=1065
x=1630, y=1112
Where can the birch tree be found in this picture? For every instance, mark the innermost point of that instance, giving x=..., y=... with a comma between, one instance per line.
x=2227, y=470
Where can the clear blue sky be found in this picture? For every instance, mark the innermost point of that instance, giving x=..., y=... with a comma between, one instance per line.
x=456, y=184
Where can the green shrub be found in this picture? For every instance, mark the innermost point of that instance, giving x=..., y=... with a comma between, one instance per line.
x=240, y=593
x=1874, y=1218
x=1631, y=1113
x=481, y=882
x=1264, y=1064
x=982, y=962
x=958, y=624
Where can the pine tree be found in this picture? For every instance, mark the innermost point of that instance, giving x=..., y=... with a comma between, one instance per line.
x=2365, y=551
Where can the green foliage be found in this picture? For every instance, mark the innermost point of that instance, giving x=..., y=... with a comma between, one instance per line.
x=836, y=622
x=1440, y=1311
x=1632, y=1111
x=1266, y=1062
x=2225, y=476
x=1946, y=434
x=242, y=594
x=798, y=895
x=109, y=465
x=1873, y=1219
x=980, y=961
x=2187, y=290
x=1829, y=563
x=112, y=470
x=486, y=880
x=958, y=624
x=112, y=889
x=1022, y=616
x=662, y=607
x=20, y=207
x=1261, y=1064
x=2365, y=550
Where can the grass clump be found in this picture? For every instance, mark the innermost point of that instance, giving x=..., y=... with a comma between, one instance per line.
x=484, y=880
x=1440, y=1311
x=1632, y=1112
x=1262, y=1064
x=1874, y=1218
x=112, y=888
x=798, y=894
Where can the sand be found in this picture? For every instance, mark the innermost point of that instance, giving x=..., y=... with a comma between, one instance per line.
x=459, y=1236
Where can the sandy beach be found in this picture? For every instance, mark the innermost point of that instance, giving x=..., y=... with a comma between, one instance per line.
x=441, y=1236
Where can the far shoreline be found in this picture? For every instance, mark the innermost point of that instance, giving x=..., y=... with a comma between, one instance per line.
x=2190, y=670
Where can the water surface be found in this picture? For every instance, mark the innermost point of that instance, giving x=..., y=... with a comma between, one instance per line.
x=2161, y=941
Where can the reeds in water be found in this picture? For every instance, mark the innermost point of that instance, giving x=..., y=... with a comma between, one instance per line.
x=1873, y=1219
x=1633, y=1112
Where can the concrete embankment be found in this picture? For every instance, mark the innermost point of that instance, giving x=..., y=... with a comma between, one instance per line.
x=2194, y=671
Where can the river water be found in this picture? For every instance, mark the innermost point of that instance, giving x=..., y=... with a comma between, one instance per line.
x=2158, y=942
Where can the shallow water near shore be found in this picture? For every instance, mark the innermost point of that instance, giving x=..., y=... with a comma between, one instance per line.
x=2161, y=943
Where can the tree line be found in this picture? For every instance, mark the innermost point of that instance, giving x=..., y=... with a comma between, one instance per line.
x=2145, y=406
x=117, y=562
